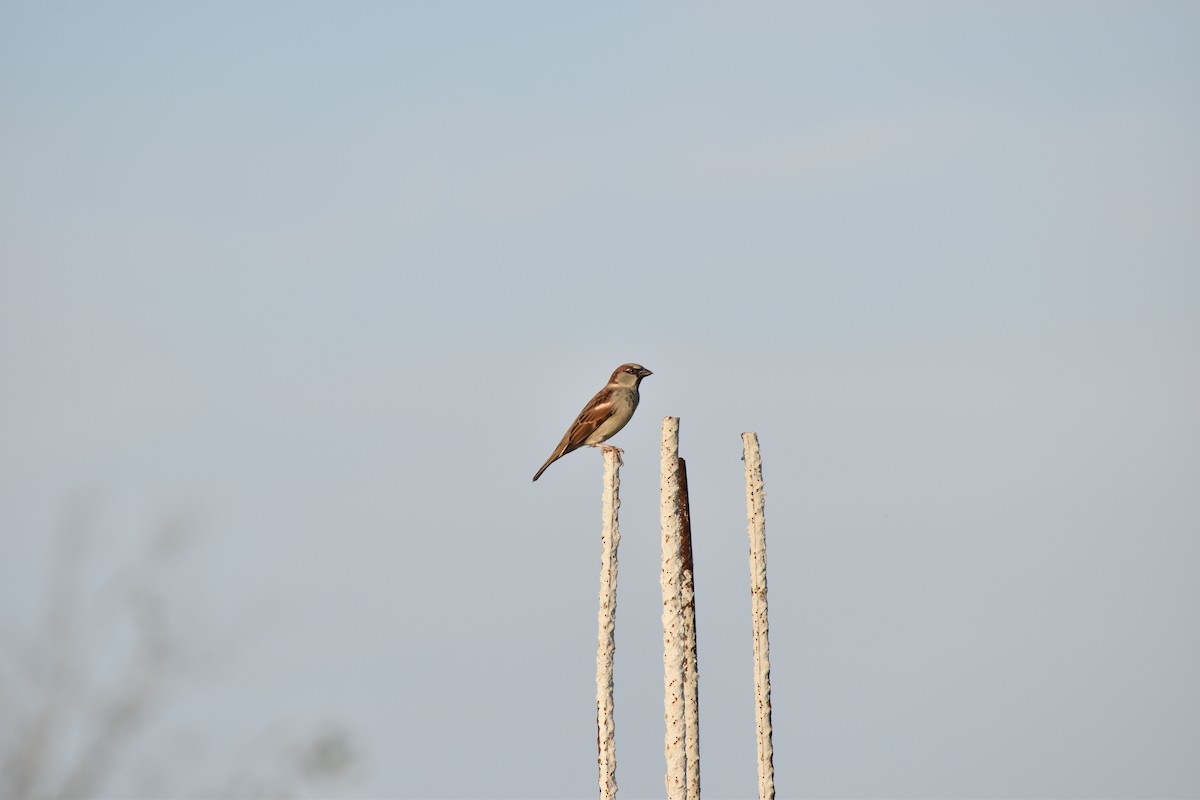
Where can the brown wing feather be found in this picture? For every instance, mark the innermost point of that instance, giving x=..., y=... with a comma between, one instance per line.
x=590, y=418
x=594, y=413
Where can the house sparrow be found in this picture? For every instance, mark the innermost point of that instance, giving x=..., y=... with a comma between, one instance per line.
x=604, y=415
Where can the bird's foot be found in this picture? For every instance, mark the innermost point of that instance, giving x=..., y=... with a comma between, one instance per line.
x=616, y=453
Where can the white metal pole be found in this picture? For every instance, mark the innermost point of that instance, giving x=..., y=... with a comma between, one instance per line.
x=606, y=645
x=757, y=530
x=672, y=617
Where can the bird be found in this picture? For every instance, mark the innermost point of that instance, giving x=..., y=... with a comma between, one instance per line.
x=604, y=415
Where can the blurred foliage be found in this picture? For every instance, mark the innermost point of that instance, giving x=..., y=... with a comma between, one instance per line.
x=81, y=696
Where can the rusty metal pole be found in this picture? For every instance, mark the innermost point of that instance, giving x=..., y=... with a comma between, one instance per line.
x=691, y=669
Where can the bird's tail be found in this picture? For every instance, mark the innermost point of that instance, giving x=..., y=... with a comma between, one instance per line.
x=557, y=455
x=563, y=448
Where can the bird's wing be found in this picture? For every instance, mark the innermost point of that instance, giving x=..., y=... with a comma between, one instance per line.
x=598, y=409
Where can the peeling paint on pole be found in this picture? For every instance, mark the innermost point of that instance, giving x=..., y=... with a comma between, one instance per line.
x=757, y=530
x=672, y=616
x=606, y=644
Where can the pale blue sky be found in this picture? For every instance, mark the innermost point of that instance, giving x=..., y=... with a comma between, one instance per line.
x=337, y=276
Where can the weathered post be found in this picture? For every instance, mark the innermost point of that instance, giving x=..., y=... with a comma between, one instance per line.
x=671, y=580
x=606, y=645
x=757, y=530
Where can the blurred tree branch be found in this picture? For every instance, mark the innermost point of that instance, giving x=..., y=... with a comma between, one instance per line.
x=68, y=724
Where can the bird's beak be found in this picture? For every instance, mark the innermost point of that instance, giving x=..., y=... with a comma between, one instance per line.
x=643, y=372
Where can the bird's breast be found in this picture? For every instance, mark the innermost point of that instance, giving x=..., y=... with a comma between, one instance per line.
x=623, y=407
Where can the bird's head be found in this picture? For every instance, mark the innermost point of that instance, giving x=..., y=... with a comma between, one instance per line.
x=629, y=375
